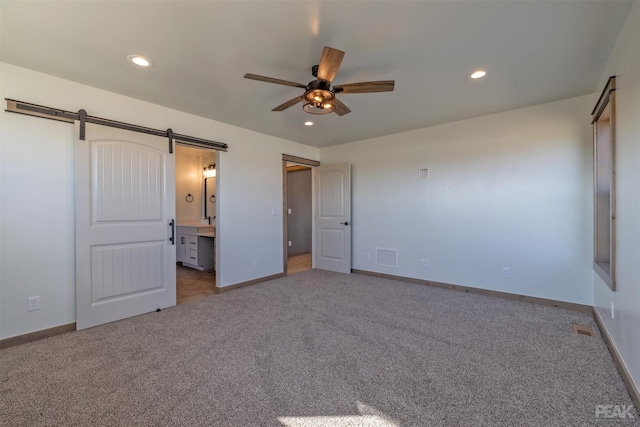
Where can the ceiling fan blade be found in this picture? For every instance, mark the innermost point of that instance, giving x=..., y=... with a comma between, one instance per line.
x=366, y=87
x=288, y=104
x=340, y=108
x=329, y=63
x=272, y=80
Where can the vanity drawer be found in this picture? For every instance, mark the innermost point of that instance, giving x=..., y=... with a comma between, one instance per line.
x=193, y=242
x=193, y=257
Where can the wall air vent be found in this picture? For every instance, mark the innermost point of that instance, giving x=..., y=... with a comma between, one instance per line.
x=387, y=257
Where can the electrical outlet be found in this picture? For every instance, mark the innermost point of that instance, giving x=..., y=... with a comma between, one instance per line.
x=613, y=312
x=367, y=256
x=34, y=303
x=289, y=211
x=289, y=242
x=506, y=272
x=256, y=262
x=424, y=263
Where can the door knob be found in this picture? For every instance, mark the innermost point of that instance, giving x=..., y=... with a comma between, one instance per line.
x=345, y=223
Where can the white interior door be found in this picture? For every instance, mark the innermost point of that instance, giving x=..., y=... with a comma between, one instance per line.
x=125, y=200
x=332, y=216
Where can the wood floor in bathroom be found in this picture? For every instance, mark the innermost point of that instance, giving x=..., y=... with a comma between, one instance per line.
x=193, y=284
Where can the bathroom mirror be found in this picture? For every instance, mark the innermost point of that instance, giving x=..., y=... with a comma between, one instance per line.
x=210, y=198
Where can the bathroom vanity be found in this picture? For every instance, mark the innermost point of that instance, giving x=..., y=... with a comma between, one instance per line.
x=195, y=246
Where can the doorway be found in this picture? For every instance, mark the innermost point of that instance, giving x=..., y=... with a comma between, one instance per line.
x=299, y=218
x=330, y=191
x=297, y=213
x=196, y=206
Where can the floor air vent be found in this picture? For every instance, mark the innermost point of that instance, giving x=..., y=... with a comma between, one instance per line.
x=582, y=330
x=387, y=257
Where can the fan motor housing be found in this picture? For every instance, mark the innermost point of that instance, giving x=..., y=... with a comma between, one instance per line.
x=319, y=85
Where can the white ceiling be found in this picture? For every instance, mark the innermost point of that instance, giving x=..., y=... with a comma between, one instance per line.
x=533, y=51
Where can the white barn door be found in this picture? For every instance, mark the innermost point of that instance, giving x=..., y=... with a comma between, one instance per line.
x=125, y=200
x=333, y=217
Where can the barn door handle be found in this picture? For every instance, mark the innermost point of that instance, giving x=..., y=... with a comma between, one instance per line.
x=172, y=239
x=345, y=223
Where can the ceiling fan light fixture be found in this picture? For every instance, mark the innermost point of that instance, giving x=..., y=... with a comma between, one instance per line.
x=319, y=101
x=319, y=96
x=312, y=108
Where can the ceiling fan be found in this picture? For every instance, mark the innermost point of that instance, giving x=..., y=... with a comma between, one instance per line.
x=319, y=96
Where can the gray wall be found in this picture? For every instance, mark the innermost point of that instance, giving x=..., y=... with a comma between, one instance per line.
x=299, y=201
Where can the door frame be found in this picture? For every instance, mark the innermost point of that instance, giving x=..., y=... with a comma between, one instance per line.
x=286, y=158
x=216, y=240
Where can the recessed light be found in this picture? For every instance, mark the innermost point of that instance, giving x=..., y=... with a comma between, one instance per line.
x=478, y=74
x=140, y=61
x=308, y=123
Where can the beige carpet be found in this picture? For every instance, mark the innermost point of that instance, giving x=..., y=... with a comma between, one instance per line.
x=320, y=349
